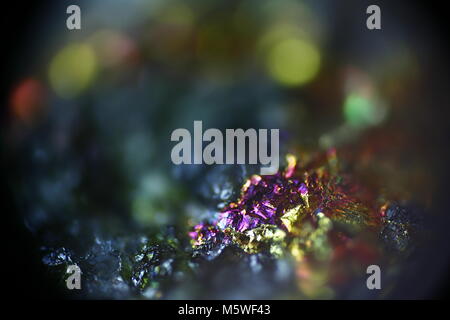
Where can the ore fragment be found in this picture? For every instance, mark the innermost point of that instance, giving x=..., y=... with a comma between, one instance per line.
x=400, y=225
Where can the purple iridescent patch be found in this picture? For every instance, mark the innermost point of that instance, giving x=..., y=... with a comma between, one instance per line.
x=263, y=200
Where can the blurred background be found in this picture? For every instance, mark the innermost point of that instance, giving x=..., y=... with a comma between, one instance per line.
x=87, y=118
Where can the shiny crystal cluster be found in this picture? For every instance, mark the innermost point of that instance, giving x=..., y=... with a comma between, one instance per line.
x=264, y=200
x=290, y=208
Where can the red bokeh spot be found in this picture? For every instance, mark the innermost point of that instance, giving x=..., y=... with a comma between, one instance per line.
x=27, y=100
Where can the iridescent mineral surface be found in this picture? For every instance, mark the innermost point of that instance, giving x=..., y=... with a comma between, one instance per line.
x=292, y=209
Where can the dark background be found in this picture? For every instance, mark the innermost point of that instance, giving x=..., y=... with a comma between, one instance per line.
x=26, y=276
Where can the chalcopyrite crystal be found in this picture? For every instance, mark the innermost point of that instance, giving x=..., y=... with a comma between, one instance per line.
x=280, y=208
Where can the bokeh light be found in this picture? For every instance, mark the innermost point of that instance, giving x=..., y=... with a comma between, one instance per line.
x=361, y=111
x=27, y=99
x=293, y=62
x=73, y=69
